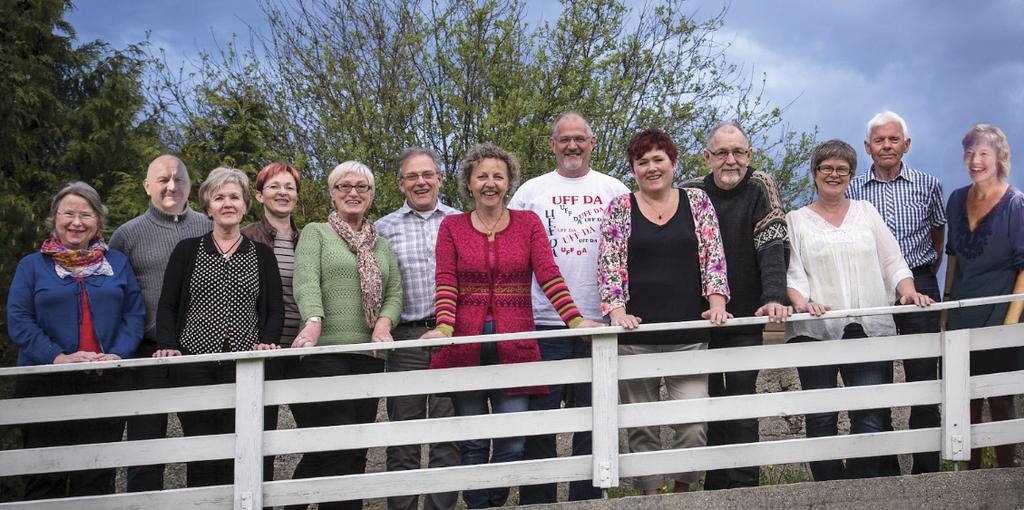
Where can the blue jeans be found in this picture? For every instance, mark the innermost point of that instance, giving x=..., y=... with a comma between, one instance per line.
x=861, y=421
x=477, y=451
x=544, y=446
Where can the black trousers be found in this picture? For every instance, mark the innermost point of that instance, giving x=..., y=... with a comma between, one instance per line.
x=203, y=423
x=217, y=421
x=922, y=369
x=732, y=431
x=148, y=426
x=276, y=369
x=86, y=482
x=339, y=412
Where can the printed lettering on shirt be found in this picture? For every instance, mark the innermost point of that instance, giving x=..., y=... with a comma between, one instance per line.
x=572, y=223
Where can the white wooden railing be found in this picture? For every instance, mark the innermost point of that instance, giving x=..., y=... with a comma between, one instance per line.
x=604, y=369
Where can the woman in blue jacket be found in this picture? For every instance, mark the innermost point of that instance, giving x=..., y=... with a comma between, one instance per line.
x=73, y=301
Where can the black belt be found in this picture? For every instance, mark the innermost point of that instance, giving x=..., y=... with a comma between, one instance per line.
x=429, y=323
x=924, y=270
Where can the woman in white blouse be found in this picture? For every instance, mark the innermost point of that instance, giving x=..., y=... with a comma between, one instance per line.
x=844, y=257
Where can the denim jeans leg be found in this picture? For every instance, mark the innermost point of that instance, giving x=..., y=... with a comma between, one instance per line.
x=545, y=446
x=506, y=449
x=473, y=451
x=864, y=421
x=580, y=395
x=822, y=424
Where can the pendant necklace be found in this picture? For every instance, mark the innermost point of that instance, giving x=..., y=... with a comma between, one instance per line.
x=490, y=228
x=651, y=205
x=224, y=253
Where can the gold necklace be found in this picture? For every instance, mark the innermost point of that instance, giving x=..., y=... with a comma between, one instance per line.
x=490, y=228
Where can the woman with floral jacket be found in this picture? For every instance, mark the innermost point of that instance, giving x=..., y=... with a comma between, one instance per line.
x=662, y=261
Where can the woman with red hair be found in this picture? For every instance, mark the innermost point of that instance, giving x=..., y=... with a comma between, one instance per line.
x=662, y=261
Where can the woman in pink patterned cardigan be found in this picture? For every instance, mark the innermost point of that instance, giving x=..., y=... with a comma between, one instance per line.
x=486, y=261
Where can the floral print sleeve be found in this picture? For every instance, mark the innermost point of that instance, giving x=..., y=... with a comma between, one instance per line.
x=613, y=282
x=710, y=253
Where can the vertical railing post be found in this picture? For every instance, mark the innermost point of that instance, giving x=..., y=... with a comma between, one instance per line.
x=605, y=406
x=956, y=395
x=249, y=434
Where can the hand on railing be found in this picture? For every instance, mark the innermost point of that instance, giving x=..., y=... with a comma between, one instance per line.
x=166, y=353
x=815, y=309
x=619, y=317
x=265, y=347
x=77, y=357
x=587, y=323
x=309, y=335
x=434, y=333
x=916, y=298
x=776, y=312
x=716, y=315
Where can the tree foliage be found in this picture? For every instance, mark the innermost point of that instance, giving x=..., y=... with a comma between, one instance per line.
x=363, y=79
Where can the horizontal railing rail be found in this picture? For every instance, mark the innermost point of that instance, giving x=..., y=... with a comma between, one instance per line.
x=502, y=337
x=249, y=443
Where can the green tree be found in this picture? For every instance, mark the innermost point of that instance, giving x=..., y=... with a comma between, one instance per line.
x=362, y=79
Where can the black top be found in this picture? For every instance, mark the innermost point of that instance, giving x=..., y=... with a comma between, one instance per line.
x=664, y=276
x=756, y=243
x=219, y=309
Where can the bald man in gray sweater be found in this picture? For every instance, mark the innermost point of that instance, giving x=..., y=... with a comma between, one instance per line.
x=148, y=240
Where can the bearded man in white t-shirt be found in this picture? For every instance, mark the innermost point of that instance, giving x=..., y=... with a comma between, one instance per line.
x=570, y=202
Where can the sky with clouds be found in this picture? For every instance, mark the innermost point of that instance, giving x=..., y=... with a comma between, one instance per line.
x=943, y=66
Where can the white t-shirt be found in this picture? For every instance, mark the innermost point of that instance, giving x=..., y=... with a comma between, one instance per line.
x=571, y=210
x=854, y=265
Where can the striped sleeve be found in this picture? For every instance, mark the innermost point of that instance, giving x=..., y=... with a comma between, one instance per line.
x=445, y=279
x=558, y=293
x=444, y=308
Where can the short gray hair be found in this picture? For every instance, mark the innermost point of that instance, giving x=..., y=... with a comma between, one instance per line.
x=994, y=137
x=883, y=118
x=479, y=153
x=412, y=152
x=569, y=113
x=85, y=192
x=217, y=178
x=724, y=124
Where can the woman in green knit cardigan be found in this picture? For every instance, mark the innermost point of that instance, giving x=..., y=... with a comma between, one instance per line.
x=346, y=284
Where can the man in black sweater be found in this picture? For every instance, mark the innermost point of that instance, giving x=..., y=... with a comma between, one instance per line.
x=753, y=229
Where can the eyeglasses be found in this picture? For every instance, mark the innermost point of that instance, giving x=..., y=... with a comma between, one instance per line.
x=738, y=154
x=841, y=171
x=347, y=188
x=83, y=216
x=413, y=177
x=274, y=188
x=580, y=140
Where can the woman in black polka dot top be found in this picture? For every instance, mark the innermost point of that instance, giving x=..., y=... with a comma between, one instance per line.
x=221, y=293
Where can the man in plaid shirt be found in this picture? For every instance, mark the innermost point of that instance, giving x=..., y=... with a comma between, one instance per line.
x=412, y=232
x=911, y=203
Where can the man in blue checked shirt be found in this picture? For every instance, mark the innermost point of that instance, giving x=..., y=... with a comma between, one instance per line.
x=910, y=202
x=412, y=232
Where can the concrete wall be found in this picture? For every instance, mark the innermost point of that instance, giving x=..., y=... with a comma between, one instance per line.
x=994, y=489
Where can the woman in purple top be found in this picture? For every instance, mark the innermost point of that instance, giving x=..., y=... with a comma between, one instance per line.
x=986, y=258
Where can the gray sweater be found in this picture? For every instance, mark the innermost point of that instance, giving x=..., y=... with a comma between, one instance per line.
x=148, y=241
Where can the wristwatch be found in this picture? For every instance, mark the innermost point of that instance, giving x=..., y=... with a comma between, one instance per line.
x=316, y=319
